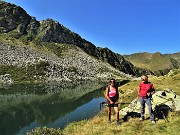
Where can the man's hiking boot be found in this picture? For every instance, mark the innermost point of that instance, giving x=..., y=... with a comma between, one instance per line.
x=141, y=119
x=153, y=122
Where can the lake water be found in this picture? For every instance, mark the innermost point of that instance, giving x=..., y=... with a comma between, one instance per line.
x=26, y=106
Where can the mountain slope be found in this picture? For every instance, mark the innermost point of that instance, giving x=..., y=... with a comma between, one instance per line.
x=176, y=57
x=158, y=63
x=26, y=63
x=16, y=24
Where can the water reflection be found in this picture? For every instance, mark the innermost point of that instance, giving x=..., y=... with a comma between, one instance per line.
x=47, y=105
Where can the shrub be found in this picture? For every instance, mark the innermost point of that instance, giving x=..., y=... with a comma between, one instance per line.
x=44, y=131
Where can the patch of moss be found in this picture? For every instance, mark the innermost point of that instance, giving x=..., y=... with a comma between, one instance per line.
x=29, y=73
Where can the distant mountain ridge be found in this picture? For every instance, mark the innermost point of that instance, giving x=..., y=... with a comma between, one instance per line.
x=159, y=63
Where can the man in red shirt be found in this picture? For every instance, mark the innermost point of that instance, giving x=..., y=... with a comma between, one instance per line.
x=145, y=91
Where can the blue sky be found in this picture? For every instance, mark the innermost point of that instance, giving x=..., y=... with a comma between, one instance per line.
x=123, y=26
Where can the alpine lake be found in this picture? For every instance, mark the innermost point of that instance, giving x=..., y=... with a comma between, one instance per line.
x=26, y=106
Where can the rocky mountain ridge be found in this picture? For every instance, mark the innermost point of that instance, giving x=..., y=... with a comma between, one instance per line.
x=19, y=33
x=17, y=24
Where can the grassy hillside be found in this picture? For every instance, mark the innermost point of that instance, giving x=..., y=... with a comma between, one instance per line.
x=175, y=56
x=156, y=62
x=98, y=124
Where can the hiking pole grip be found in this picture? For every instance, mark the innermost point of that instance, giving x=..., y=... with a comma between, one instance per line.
x=101, y=104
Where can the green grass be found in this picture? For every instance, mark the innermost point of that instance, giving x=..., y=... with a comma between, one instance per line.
x=99, y=126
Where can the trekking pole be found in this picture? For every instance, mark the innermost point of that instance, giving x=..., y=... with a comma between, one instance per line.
x=101, y=104
x=164, y=117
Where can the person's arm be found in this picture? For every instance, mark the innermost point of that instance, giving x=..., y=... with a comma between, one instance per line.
x=138, y=89
x=152, y=89
x=106, y=95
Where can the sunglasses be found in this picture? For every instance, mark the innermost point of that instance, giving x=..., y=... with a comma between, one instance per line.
x=112, y=81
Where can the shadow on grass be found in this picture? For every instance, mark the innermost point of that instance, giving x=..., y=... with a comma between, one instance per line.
x=131, y=115
x=161, y=111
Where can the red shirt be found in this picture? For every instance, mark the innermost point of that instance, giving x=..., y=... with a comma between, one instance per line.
x=145, y=87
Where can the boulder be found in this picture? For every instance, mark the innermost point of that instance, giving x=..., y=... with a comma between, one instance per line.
x=162, y=101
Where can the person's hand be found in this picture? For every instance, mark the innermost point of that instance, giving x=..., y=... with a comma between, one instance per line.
x=148, y=94
x=152, y=92
x=116, y=102
x=111, y=102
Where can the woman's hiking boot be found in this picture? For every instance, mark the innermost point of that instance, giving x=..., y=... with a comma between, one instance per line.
x=118, y=122
x=109, y=121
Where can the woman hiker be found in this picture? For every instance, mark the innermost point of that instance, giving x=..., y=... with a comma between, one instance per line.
x=112, y=95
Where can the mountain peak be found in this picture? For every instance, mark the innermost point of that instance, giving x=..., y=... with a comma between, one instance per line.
x=13, y=17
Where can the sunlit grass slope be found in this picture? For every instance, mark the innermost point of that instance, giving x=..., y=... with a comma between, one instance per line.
x=152, y=61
